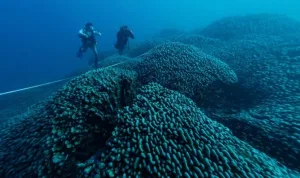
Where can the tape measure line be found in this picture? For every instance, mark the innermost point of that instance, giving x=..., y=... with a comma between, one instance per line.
x=50, y=83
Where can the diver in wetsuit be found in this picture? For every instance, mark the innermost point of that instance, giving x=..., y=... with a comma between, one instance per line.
x=88, y=39
x=122, y=38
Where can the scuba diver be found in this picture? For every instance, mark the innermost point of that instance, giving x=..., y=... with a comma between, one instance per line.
x=88, y=39
x=122, y=38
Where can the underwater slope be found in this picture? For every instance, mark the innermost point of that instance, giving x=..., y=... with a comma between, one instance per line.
x=17, y=103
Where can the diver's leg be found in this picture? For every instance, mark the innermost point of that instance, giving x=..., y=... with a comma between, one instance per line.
x=81, y=50
x=94, y=48
x=121, y=49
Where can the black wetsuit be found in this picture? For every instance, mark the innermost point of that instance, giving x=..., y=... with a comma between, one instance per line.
x=122, y=39
x=86, y=43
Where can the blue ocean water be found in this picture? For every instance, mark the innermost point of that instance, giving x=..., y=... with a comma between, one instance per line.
x=39, y=39
x=205, y=89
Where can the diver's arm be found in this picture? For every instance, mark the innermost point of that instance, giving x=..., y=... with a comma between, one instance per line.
x=131, y=35
x=97, y=33
x=82, y=34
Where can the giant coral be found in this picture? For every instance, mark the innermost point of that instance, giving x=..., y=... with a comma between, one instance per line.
x=164, y=134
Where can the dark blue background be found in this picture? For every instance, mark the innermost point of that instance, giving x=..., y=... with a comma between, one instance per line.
x=39, y=37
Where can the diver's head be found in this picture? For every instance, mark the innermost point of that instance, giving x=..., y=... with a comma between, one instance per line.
x=89, y=26
x=124, y=27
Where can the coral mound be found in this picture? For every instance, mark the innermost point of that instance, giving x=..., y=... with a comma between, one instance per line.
x=71, y=127
x=238, y=26
x=164, y=134
x=183, y=68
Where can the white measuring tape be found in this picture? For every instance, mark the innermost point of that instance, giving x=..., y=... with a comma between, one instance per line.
x=36, y=86
x=49, y=83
